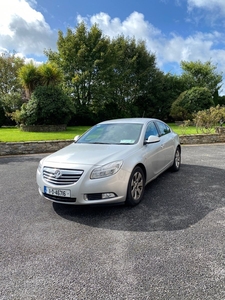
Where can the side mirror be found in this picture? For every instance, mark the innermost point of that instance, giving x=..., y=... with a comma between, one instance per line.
x=76, y=138
x=152, y=139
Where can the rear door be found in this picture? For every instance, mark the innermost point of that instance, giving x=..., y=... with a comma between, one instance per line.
x=167, y=140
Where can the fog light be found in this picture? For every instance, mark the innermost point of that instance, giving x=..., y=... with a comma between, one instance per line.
x=108, y=195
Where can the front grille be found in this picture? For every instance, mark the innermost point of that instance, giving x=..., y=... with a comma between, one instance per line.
x=61, y=176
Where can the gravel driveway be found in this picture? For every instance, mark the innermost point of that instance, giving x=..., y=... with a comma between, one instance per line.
x=171, y=246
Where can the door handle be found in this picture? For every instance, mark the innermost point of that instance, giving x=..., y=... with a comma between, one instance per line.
x=162, y=146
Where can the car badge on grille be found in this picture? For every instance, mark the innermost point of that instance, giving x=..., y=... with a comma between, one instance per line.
x=57, y=173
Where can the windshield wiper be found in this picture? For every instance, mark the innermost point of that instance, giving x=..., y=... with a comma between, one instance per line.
x=100, y=143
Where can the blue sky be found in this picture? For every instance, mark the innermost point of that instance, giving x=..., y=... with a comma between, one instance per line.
x=174, y=30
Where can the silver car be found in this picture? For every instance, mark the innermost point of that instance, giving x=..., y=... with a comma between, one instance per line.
x=110, y=163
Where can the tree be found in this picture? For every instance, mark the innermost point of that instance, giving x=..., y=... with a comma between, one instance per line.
x=100, y=73
x=201, y=84
x=49, y=74
x=178, y=112
x=47, y=104
x=164, y=89
x=81, y=54
x=190, y=102
x=30, y=78
x=9, y=66
x=83, y=57
x=132, y=74
x=11, y=96
x=12, y=102
x=204, y=75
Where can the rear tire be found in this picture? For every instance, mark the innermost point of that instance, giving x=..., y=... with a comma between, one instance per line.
x=136, y=187
x=177, y=160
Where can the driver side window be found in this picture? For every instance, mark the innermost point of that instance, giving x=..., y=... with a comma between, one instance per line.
x=151, y=130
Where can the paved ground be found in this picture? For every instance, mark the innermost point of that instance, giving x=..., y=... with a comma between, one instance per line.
x=171, y=246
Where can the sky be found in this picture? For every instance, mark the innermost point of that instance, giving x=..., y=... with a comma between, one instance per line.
x=173, y=30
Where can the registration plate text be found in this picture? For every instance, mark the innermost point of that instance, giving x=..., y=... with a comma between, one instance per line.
x=57, y=192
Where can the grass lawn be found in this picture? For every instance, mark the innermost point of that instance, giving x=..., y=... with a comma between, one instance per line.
x=13, y=134
x=181, y=131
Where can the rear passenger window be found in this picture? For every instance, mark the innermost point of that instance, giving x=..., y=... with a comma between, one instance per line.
x=163, y=128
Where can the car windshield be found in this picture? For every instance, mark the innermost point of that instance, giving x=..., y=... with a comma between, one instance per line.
x=117, y=133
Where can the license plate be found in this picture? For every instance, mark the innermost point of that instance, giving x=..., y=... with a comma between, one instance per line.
x=57, y=192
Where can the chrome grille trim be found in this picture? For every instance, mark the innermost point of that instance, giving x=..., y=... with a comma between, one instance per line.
x=61, y=176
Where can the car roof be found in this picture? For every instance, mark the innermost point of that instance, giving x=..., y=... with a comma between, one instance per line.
x=129, y=120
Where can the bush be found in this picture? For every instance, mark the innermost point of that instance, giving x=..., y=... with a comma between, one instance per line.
x=178, y=112
x=207, y=120
x=190, y=102
x=48, y=105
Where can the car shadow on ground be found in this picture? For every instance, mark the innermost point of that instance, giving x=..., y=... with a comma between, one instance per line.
x=173, y=201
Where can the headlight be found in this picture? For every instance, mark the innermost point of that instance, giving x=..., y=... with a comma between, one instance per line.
x=106, y=170
x=40, y=165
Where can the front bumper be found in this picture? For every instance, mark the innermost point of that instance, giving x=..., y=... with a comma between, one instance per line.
x=86, y=191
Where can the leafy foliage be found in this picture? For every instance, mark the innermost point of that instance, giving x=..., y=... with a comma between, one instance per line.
x=49, y=74
x=48, y=105
x=11, y=96
x=207, y=120
x=190, y=102
x=198, y=74
x=12, y=102
x=29, y=78
x=107, y=78
x=101, y=73
x=32, y=76
x=9, y=66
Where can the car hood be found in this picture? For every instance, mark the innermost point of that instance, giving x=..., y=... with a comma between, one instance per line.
x=90, y=154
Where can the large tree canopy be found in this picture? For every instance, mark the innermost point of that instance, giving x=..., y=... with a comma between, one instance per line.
x=100, y=73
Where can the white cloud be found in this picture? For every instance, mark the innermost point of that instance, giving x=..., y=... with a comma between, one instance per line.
x=207, y=4
x=199, y=46
x=23, y=29
x=134, y=26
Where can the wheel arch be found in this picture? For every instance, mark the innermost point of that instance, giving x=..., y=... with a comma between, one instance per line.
x=178, y=147
x=142, y=167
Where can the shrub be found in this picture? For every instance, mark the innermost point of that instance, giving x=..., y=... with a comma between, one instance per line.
x=207, y=120
x=48, y=105
x=178, y=112
x=190, y=102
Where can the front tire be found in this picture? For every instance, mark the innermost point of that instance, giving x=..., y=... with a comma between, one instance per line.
x=177, y=160
x=136, y=187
